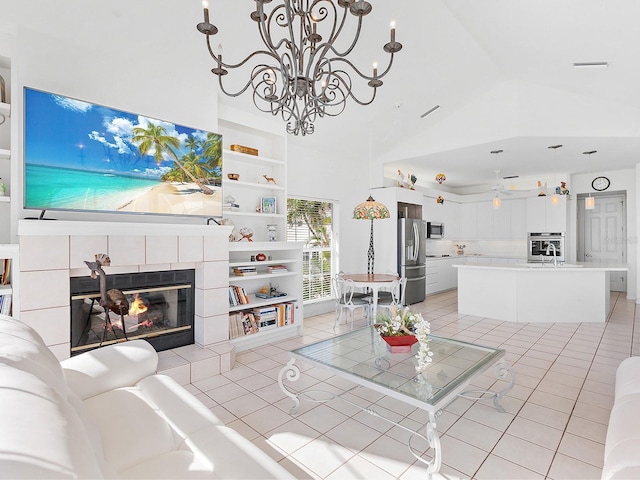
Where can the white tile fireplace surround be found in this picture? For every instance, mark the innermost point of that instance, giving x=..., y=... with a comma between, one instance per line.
x=53, y=251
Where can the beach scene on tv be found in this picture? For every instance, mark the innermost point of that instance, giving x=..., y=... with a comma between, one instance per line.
x=83, y=156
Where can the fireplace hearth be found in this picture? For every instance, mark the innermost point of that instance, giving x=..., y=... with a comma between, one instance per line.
x=161, y=310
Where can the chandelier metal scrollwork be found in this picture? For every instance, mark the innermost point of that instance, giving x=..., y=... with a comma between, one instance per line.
x=301, y=74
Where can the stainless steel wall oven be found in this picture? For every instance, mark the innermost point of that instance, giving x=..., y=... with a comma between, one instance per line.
x=543, y=246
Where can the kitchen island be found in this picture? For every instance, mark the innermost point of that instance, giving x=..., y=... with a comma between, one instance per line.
x=536, y=293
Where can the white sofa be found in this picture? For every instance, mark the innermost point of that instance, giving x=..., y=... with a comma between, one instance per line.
x=622, y=446
x=106, y=414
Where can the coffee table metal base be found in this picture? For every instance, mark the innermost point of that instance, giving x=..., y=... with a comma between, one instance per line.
x=502, y=370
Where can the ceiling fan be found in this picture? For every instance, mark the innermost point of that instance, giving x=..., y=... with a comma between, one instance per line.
x=499, y=188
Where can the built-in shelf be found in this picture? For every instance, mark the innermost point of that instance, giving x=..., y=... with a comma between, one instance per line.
x=233, y=213
x=251, y=158
x=5, y=109
x=255, y=302
x=261, y=186
x=5, y=199
x=4, y=153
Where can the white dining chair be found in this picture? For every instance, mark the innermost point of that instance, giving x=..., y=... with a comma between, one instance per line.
x=345, y=301
x=357, y=294
x=396, y=297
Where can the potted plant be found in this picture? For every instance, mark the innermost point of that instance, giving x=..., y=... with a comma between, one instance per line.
x=401, y=328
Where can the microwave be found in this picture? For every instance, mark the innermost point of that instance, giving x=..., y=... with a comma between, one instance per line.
x=435, y=230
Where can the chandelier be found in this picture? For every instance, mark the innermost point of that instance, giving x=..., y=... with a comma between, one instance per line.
x=300, y=74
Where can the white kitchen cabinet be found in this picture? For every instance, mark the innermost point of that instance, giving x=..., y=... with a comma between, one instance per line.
x=469, y=221
x=545, y=216
x=518, y=218
x=441, y=275
x=484, y=220
x=502, y=221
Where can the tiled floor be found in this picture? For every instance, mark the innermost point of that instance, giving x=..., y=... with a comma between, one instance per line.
x=555, y=425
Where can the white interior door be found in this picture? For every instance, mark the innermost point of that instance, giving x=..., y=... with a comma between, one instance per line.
x=604, y=238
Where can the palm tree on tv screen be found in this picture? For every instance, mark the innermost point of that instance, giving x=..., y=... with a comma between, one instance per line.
x=156, y=136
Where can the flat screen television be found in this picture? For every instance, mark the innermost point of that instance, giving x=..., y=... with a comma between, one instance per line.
x=85, y=157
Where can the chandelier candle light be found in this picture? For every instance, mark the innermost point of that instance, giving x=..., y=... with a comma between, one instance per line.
x=370, y=210
x=301, y=74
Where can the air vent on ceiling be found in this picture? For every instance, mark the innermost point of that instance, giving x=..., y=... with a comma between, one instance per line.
x=431, y=110
x=590, y=64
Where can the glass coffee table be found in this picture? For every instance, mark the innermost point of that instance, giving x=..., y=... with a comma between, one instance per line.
x=362, y=357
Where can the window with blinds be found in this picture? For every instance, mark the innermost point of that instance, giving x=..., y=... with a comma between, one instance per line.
x=311, y=222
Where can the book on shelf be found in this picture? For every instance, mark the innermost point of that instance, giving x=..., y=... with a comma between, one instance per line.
x=237, y=296
x=285, y=314
x=242, y=271
x=241, y=324
x=5, y=299
x=4, y=277
x=266, y=317
x=277, y=269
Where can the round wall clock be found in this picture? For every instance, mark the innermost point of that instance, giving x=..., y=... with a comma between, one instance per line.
x=600, y=183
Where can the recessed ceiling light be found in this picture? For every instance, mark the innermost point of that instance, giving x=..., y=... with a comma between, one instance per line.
x=431, y=110
x=590, y=64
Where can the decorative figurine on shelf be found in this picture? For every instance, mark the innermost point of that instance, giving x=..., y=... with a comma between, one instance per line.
x=542, y=189
x=272, y=230
x=563, y=188
x=410, y=181
x=269, y=179
x=245, y=234
x=440, y=178
x=440, y=200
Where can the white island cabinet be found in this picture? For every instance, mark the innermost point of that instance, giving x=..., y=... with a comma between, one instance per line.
x=535, y=293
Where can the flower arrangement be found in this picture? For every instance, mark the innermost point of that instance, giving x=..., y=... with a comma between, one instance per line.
x=460, y=248
x=404, y=321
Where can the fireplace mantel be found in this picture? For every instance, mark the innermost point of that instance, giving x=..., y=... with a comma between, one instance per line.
x=65, y=227
x=52, y=251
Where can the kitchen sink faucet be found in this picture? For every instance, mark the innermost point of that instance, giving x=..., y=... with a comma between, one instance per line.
x=555, y=259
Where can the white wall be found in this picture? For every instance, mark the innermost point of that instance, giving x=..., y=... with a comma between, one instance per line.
x=314, y=175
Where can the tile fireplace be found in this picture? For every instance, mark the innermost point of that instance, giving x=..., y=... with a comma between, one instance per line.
x=54, y=252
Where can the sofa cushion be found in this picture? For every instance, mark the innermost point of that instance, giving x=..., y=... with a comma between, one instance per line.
x=103, y=369
x=23, y=348
x=183, y=411
x=233, y=456
x=628, y=377
x=41, y=435
x=133, y=430
x=182, y=464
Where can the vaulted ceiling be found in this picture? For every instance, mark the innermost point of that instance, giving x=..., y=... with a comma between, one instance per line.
x=500, y=70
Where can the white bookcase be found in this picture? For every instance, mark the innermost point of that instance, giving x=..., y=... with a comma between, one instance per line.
x=11, y=252
x=8, y=134
x=288, y=254
x=253, y=185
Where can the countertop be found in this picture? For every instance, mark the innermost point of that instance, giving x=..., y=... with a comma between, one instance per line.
x=549, y=267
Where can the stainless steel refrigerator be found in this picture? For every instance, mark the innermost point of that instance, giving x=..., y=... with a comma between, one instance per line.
x=412, y=258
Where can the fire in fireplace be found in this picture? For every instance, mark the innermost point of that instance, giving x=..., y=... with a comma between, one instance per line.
x=160, y=310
